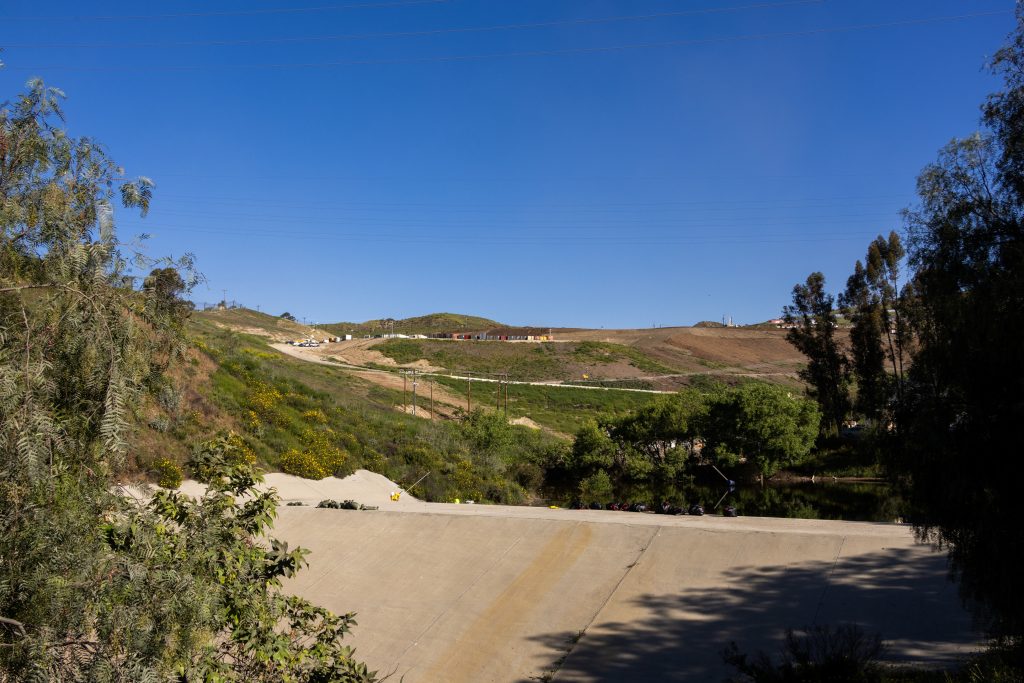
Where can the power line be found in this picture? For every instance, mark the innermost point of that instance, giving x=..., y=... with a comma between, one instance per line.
x=702, y=240
x=666, y=222
x=362, y=205
x=224, y=13
x=421, y=33
x=753, y=37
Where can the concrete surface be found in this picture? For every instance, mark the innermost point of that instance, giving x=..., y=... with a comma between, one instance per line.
x=466, y=593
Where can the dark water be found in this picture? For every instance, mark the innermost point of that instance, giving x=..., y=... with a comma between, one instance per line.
x=867, y=502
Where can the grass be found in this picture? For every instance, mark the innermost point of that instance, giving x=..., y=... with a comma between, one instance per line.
x=433, y=323
x=522, y=361
x=279, y=404
x=607, y=352
x=561, y=409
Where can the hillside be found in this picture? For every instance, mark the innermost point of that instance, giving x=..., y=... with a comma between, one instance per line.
x=344, y=405
x=663, y=359
x=424, y=324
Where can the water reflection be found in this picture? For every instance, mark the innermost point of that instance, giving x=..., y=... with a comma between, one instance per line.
x=862, y=501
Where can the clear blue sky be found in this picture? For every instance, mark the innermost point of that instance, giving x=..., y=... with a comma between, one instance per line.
x=355, y=159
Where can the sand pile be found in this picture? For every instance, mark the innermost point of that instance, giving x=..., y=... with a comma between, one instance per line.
x=362, y=486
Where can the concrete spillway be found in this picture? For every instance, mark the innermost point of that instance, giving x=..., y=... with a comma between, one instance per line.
x=490, y=593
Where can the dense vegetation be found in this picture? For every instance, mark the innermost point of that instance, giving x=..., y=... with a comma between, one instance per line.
x=316, y=421
x=94, y=584
x=936, y=357
x=655, y=449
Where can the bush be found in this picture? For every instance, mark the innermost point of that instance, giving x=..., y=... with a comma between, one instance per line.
x=168, y=473
x=227, y=449
x=824, y=654
x=597, y=488
x=302, y=464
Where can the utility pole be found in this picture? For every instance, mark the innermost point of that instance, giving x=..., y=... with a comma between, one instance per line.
x=414, y=383
x=405, y=381
x=431, y=398
x=469, y=399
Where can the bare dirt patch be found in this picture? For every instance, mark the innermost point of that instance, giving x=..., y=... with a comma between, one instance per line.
x=445, y=403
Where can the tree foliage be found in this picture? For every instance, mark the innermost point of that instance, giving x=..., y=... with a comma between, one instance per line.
x=958, y=408
x=95, y=585
x=965, y=404
x=813, y=332
x=762, y=426
x=875, y=301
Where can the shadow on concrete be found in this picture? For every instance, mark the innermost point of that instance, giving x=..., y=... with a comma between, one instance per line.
x=902, y=594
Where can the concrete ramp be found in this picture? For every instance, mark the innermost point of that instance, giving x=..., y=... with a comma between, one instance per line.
x=489, y=593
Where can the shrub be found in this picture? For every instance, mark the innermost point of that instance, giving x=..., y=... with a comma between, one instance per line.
x=168, y=473
x=302, y=464
x=315, y=415
x=823, y=653
x=227, y=449
x=597, y=488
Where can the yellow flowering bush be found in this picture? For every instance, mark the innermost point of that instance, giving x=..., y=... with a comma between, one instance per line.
x=319, y=458
x=302, y=464
x=264, y=398
x=315, y=415
x=168, y=472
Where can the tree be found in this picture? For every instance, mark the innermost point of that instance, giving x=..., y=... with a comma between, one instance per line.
x=882, y=276
x=813, y=319
x=868, y=357
x=763, y=424
x=654, y=441
x=93, y=586
x=875, y=303
x=287, y=316
x=960, y=425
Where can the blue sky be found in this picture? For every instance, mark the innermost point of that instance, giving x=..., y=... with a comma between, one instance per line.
x=523, y=160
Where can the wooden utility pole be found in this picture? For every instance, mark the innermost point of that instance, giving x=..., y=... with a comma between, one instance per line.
x=414, y=384
x=431, y=398
x=405, y=381
x=469, y=399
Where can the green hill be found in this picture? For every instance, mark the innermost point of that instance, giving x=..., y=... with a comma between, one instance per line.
x=251, y=322
x=432, y=323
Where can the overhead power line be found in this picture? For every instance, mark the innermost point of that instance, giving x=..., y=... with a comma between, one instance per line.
x=222, y=13
x=720, y=204
x=519, y=240
x=418, y=34
x=752, y=37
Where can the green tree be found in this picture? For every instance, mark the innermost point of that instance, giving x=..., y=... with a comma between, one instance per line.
x=93, y=585
x=813, y=333
x=868, y=356
x=882, y=275
x=762, y=424
x=652, y=442
x=960, y=425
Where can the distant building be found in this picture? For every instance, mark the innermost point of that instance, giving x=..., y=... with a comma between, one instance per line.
x=501, y=334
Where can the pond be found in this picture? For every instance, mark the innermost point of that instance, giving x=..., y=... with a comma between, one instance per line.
x=860, y=501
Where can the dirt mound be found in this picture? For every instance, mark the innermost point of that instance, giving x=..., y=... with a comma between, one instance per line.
x=362, y=486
